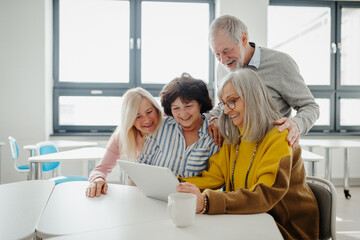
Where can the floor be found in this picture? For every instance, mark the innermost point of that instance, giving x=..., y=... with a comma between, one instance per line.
x=348, y=214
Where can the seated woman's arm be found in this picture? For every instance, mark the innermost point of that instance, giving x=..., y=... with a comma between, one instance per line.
x=214, y=177
x=98, y=176
x=108, y=161
x=271, y=183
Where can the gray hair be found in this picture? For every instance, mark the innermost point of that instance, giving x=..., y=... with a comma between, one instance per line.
x=232, y=27
x=260, y=109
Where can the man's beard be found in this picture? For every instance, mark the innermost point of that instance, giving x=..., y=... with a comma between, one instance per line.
x=239, y=62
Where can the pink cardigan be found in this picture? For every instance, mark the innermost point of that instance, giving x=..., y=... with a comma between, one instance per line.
x=112, y=154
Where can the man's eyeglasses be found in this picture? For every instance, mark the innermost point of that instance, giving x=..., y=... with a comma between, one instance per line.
x=230, y=103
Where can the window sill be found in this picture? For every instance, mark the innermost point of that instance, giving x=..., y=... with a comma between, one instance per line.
x=86, y=134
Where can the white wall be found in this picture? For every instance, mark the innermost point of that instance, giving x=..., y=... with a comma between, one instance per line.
x=252, y=12
x=22, y=75
x=26, y=77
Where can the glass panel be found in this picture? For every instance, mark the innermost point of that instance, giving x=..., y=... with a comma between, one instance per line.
x=303, y=33
x=350, y=48
x=349, y=117
x=174, y=40
x=94, y=41
x=89, y=111
x=324, y=118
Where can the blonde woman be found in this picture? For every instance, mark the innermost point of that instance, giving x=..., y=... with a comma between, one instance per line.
x=260, y=171
x=141, y=115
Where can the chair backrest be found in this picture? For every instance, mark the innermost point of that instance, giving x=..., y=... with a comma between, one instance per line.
x=14, y=148
x=47, y=148
x=326, y=199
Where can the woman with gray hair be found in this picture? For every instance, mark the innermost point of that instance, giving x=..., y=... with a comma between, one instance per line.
x=260, y=171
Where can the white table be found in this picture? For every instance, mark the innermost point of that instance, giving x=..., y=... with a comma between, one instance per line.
x=214, y=227
x=63, y=145
x=329, y=144
x=1, y=144
x=21, y=205
x=90, y=154
x=125, y=213
x=312, y=158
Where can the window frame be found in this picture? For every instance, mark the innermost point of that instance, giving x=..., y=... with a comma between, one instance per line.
x=334, y=91
x=112, y=89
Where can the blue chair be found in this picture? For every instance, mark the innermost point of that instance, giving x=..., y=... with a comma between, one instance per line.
x=47, y=148
x=25, y=168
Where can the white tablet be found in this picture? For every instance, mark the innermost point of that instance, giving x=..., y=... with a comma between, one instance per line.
x=153, y=181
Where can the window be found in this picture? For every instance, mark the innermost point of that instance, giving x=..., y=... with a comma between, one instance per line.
x=323, y=37
x=104, y=47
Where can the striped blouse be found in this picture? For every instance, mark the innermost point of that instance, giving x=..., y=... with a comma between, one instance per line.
x=167, y=148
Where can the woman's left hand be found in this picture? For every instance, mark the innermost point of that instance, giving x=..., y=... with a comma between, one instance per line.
x=186, y=187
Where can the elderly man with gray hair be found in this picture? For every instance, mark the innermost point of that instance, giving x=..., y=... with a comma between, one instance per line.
x=229, y=41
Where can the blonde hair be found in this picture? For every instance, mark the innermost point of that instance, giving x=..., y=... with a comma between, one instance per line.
x=126, y=131
x=260, y=109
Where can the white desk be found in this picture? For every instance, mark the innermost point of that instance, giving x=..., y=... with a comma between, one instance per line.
x=63, y=145
x=90, y=154
x=1, y=144
x=312, y=158
x=21, y=204
x=205, y=227
x=125, y=213
x=329, y=144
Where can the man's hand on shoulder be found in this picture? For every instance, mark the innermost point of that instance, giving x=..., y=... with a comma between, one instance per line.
x=215, y=132
x=294, y=133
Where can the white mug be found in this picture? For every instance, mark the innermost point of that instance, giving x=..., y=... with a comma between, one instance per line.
x=182, y=208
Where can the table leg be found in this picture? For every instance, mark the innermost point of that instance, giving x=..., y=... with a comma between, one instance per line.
x=346, y=174
x=31, y=166
x=327, y=164
x=311, y=170
x=38, y=170
x=31, y=169
x=311, y=166
x=123, y=176
x=91, y=164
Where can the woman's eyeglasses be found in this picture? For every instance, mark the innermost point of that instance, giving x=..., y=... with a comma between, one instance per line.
x=230, y=103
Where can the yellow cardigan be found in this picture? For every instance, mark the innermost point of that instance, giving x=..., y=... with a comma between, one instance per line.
x=276, y=185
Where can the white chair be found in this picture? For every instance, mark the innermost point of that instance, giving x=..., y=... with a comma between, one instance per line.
x=24, y=168
x=325, y=194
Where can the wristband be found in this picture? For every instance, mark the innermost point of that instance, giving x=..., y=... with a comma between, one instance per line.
x=206, y=204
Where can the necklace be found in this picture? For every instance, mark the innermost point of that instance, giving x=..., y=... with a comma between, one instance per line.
x=233, y=168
